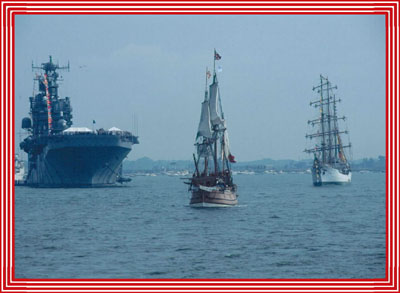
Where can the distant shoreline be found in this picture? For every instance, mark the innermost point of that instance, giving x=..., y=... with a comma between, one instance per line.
x=267, y=166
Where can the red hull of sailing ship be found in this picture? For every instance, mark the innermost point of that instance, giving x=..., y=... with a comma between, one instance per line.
x=213, y=197
x=207, y=193
x=202, y=198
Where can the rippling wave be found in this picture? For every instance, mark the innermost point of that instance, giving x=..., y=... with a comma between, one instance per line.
x=283, y=227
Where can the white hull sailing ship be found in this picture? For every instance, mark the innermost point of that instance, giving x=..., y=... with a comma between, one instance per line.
x=211, y=184
x=330, y=162
x=326, y=174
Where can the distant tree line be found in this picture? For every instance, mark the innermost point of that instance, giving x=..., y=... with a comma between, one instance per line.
x=260, y=166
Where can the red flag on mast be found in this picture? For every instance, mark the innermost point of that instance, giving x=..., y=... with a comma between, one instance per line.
x=216, y=55
x=231, y=158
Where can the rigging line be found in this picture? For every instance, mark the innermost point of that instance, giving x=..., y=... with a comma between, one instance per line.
x=220, y=103
x=33, y=89
x=350, y=148
x=206, y=80
x=214, y=60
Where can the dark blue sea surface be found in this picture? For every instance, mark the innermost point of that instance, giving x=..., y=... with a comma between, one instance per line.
x=283, y=227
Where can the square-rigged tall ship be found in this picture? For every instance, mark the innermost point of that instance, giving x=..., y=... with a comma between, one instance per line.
x=330, y=163
x=63, y=156
x=212, y=184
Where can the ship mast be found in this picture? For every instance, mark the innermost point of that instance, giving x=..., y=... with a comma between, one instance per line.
x=216, y=132
x=211, y=135
x=214, y=127
x=205, y=98
x=329, y=122
x=335, y=124
x=58, y=111
x=330, y=144
x=322, y=116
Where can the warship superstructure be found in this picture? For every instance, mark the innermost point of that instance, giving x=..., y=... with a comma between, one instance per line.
x=212, y=183
x=330, y=163
x=60, y=155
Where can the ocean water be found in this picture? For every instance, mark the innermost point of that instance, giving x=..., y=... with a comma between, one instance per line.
x=283, y=227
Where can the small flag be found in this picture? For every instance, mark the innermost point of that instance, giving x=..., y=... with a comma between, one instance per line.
x=231, y=158
x=208, y=73
x=94, y=122
x=216, y=55
x=219, y=69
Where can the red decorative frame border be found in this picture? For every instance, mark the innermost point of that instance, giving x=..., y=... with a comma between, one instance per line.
x=13, y=7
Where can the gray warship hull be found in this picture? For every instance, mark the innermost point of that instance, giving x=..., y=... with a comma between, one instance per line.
x=78, y=160
x=60, y=155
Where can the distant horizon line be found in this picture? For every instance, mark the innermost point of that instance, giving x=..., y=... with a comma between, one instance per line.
x=286, y=159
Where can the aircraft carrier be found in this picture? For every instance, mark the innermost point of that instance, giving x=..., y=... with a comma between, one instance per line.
x=60, y=155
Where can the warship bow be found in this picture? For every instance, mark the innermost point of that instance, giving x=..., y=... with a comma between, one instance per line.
x=60, y=155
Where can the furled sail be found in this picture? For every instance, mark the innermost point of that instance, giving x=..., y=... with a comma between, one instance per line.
x=342, y=156
x=214, y=98
x=204, y=124
x=227, y=150
x=226, y=144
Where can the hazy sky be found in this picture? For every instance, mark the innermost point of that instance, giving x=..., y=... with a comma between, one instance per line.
x=154, y=66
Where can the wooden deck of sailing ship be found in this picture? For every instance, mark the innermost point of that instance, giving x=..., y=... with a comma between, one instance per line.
x=207, y=192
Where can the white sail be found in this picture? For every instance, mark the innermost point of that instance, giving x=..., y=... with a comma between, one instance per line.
x=204, y=124
x=227, y=151
x=214, y=97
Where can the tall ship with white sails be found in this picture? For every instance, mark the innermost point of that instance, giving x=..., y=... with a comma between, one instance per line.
x=212, y=183
x=330, y=163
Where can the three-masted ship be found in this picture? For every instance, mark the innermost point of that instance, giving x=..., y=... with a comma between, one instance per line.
x=212, y=184
x=330, y=163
